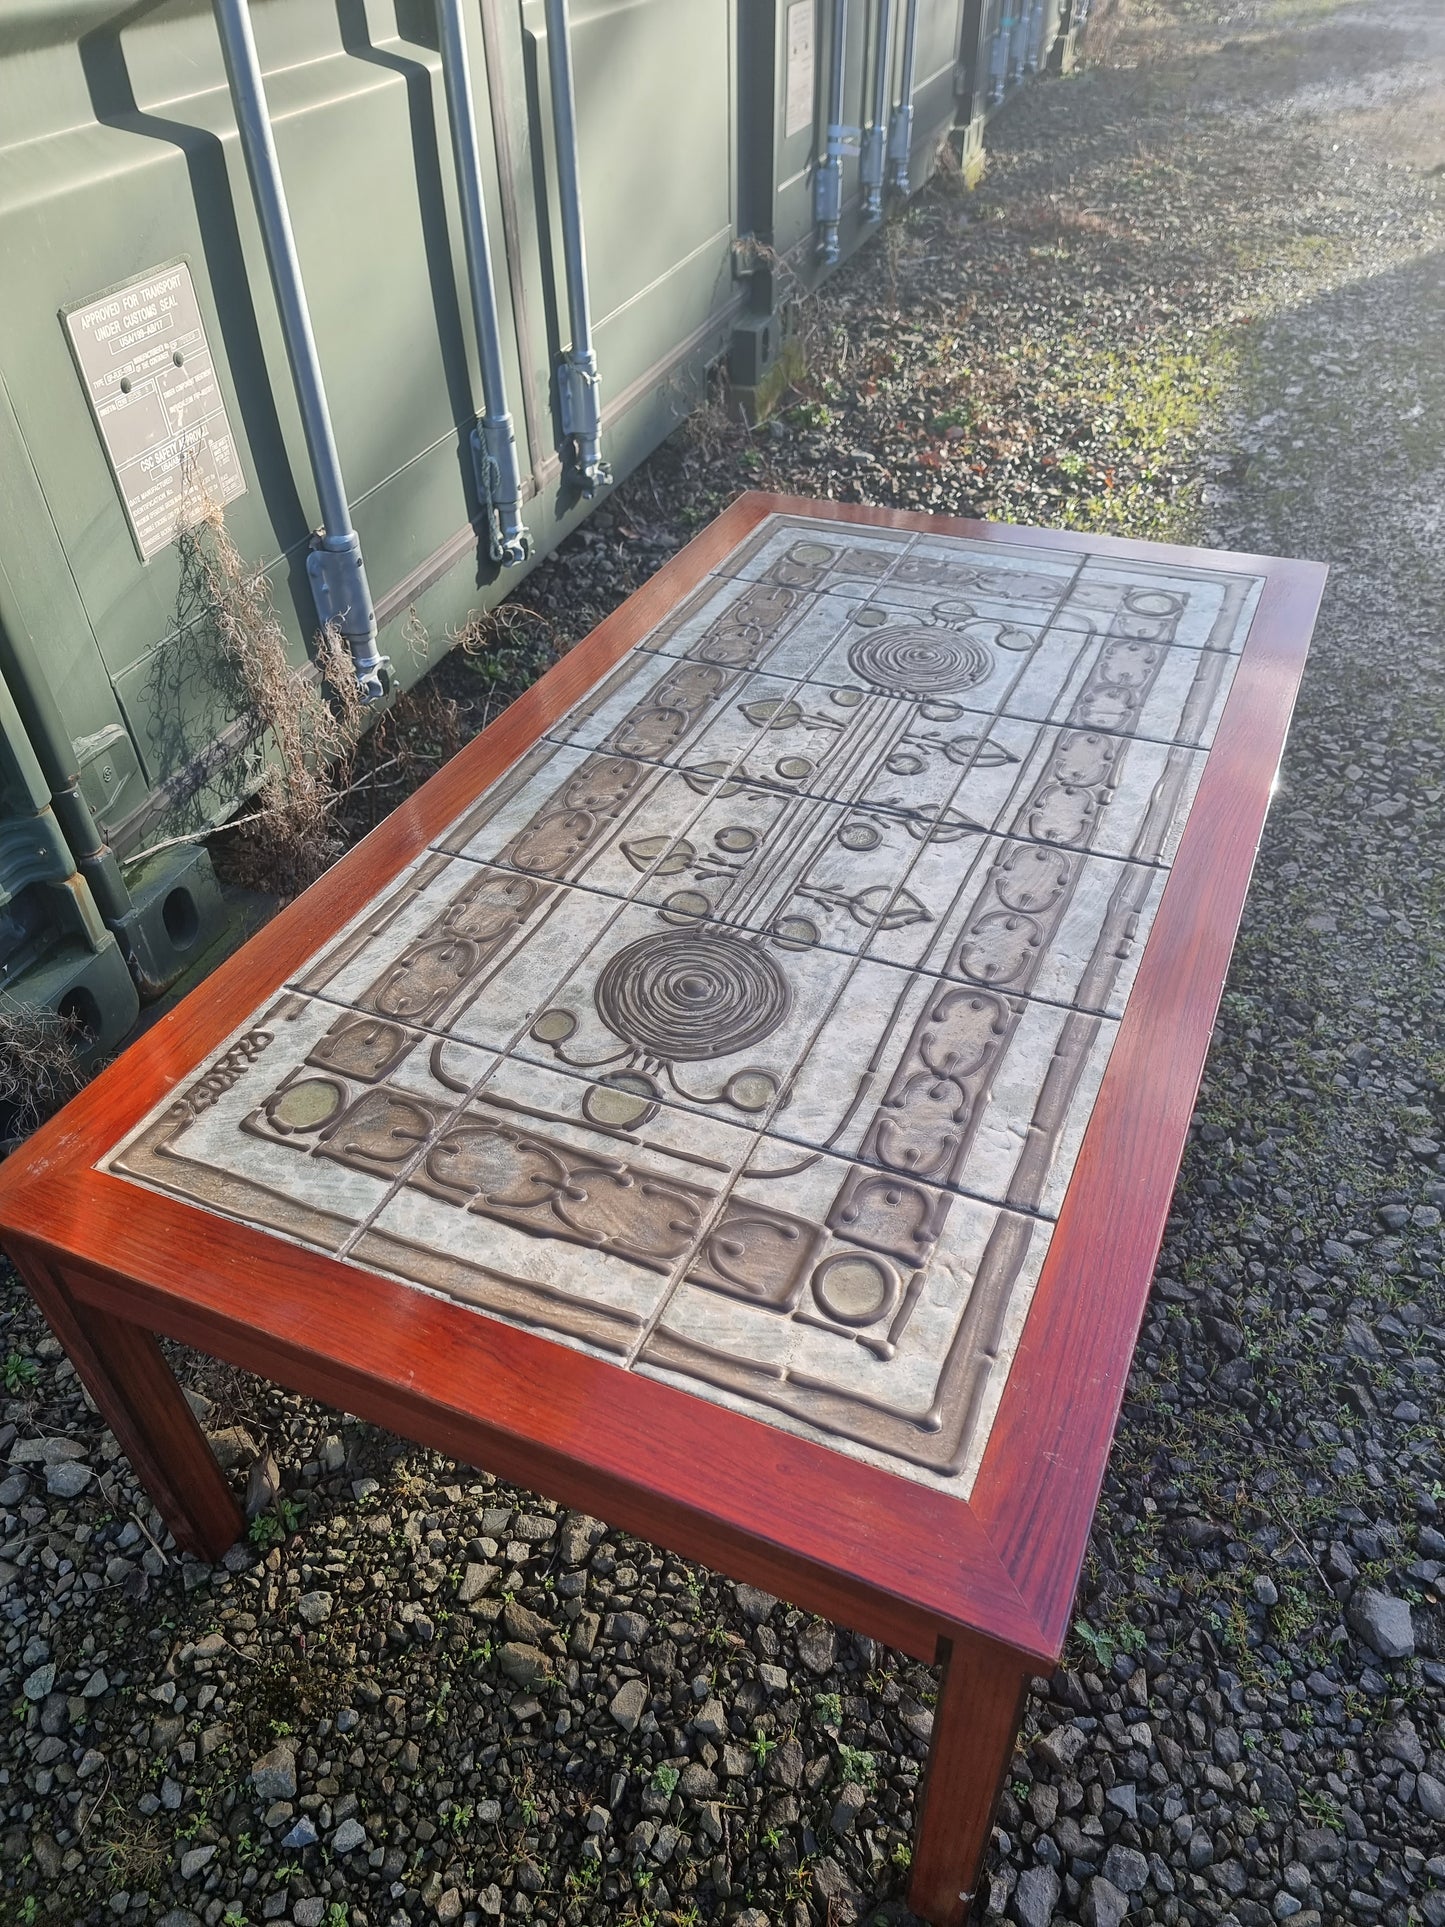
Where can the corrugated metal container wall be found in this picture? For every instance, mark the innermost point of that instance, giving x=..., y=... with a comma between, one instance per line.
x=145, y=343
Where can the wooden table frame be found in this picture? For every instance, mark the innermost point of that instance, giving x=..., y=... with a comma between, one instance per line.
x=983, y=1587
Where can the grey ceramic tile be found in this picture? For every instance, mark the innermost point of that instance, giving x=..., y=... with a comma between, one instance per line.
x=944, y=662
x=797, y=554
x=845, y=1339
x=746, y=1031
x=561, y=1203
x=874, y=882
x=305, y=1119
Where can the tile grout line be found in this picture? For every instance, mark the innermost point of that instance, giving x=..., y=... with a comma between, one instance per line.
x=676, y=1278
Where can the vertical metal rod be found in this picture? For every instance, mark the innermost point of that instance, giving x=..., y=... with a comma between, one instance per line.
x=998, y=52
x=900, y=130
x=494, y=441
x=1036, y=36
x=1016, y=40
x=578, y=395
x=828, y=182
x=874, y=144
x=335, y=566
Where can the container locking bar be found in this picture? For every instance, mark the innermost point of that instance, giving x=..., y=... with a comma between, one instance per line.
x=493, y=440
x=579, y=396
x=335, y=566
x=841, y=140
x=998, y=53
x=900, y=128
x=875, y=138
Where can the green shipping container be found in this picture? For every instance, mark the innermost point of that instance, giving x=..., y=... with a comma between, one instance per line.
x=144, y=351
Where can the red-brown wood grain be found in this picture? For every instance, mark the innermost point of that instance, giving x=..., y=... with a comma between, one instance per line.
x=975, y=1720
x=1040, y=1479
x=991, y=1580
x=135, y=1391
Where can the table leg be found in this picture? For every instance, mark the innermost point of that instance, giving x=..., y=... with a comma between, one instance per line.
x=975, y=1725
x=135, y=1390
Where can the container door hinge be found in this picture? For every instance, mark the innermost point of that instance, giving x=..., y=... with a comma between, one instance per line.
x=509, y=542
x=579, y=404
x=343, y=602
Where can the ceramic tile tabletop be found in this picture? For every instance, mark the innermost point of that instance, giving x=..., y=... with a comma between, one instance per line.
x=746, y=1031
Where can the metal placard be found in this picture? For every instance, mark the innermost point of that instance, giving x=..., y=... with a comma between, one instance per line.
x=143, y=355
x=798, y=86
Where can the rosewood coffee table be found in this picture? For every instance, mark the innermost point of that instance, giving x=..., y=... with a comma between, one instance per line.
x=741, y=1094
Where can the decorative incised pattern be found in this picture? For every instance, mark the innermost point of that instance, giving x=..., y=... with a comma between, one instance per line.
x=746, y=1031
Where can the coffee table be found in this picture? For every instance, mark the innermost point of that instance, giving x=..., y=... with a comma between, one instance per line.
x=740, y=1095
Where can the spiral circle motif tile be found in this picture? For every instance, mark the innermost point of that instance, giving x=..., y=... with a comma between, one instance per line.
x=685, y=995
x=919, y=662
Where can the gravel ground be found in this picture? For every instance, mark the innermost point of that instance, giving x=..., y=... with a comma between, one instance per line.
x=1200, y=293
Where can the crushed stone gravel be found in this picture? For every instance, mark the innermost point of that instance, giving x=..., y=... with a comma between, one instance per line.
x=1200, y=294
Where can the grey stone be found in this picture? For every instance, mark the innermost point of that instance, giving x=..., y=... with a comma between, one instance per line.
x=233, y=1446
x=1399, y=1741
x=818, y=1647
x=523, y=1665
x=67, y=1479
x=1430, y=1793
x=840, y=1897
x=1127, y=1868
x=1061, y=1747
x=1035, y=1897
x=475, y=1581
x=309, y=1913
x=629, y=1703
x=45, y=1451
x=1043, y=1804
x=179, y=1917
x=849, y=1804
x=1276, y=1787
x=301, y=1836
x=533, y=1528
x=37, y=1684
x=578, y=1536
x=918, y=1720
x=195, y=1861
x=1318, y=1846
x=348, y=1837
x=754, y=1605
x=710, y=1722
x=316, y=1607
x=520, y=1624
x=274, y=1775
x=1383, y=1622
x=263, y=1483
x=1104, y=1905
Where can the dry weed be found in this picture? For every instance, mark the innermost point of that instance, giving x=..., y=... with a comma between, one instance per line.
x=42, y=1065
x=1107, y=20
x=304, y=723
